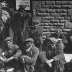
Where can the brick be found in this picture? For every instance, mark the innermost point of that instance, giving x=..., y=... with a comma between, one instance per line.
x=65, y=6
x=70, y=2
x=65, y=2
x=45, y=24
x=43, y=2
x=69, y=6
x=54, y=21
x=41, y=10
x=48, y=27
x=54, y=14
x=62, y=2
x=43, y=6
x=60, y=24
x=48, y=18
x=50, y=24
x=61, y=10
x=63, y=14
x=50, y=6
x=57, y=6
x=53, y=30
x=56, y=27
x=45, y=33
x=43, y=14
x=46, y=21
x=38, y=15
x=67, y=18
x=65, y=30
x=50, y=10
x=44, y=30
x=59, y=18
x=41, y=24
x=49, y=2
x=59, y=2
x=64, y=33
x=62, y=21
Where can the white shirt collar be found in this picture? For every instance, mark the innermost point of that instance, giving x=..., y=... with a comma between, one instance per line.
x=29, y=49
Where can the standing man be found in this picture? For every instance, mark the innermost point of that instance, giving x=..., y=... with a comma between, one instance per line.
x=37, y=33
x=32, y=54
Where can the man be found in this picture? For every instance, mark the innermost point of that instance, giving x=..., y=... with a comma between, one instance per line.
x=37, y=33
x=4, y=22
x=55, y=47
x=61, y=36
x=31, y=57
x=64, y=58
x=12, y=54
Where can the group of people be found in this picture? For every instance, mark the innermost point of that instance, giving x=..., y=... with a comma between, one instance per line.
x=52, y=60
x=14, y=58
x=23, y=47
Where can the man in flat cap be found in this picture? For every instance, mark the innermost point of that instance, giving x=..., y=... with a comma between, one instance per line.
x=32, y=54
x=12, y=54
x=37, y=32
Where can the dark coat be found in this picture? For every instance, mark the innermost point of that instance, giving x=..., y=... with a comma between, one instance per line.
x=31, y=58
x=16, y=53
x=37, y=35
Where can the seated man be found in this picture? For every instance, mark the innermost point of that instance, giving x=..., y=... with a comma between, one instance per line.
x=64, y=58
x=12, y=54
x=31, y=57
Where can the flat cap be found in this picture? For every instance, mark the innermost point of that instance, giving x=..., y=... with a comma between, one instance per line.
x=54, y=40
x=29, y=40
x=8, y=39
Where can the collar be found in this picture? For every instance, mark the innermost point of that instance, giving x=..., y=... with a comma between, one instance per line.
x=29, y=49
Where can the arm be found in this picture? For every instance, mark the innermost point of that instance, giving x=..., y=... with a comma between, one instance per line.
x=17, y=53
x=33, y=58
x=55, y=58
x=15, y=56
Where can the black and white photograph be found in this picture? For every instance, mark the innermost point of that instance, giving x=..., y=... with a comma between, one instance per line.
x=35, y=35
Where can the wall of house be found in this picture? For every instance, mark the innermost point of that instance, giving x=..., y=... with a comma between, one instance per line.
x=54, y=14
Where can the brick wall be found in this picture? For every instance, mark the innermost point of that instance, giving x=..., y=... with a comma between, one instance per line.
x=54, y=14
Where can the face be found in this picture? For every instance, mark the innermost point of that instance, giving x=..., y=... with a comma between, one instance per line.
x=28, y=44
x=36, y=24
x=52, y=44
x=9, y=44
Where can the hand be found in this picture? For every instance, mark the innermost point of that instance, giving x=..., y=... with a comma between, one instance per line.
x=23, y=60
x=7, y=60
x=49, y=63
x=24, y=56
